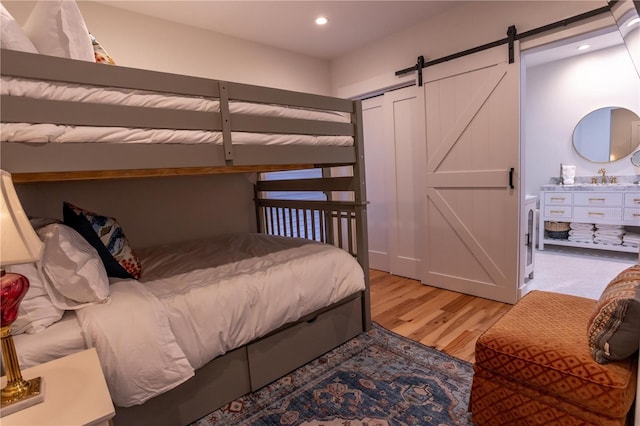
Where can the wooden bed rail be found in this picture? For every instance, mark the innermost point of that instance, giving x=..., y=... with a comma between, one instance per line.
x=328, y=220
x=331, y=222
x=148, y=173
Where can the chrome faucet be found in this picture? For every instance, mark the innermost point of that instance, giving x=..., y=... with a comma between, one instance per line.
x=604, y=178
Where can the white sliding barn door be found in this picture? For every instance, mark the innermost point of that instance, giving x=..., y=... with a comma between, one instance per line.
x=472, y=126
x=395, y=163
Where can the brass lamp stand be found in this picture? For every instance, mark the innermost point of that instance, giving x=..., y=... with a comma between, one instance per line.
x=17, y=388
x=18, y=393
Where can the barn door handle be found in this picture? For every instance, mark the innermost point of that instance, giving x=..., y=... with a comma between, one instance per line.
x=511, y=178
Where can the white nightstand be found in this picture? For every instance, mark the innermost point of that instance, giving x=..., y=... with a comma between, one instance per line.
x=75, y=393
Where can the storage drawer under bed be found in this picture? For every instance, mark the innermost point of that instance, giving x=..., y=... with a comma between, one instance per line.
x=280, y=353
x=216, y=383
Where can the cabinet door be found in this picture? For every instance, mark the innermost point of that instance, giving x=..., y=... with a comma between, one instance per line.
x=472, y=220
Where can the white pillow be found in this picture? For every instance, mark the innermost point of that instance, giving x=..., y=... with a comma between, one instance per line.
x=57, y=28
x=12, y=36
x=36, y=311
x=73, y=268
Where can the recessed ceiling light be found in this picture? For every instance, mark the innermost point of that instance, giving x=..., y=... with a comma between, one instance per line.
x=633, y=21
x=583, y=47
x=321, y=20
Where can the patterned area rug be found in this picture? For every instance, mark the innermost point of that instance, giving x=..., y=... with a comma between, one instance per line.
x=376, y=379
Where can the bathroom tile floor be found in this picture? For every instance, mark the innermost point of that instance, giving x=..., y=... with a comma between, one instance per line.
x=577, y=271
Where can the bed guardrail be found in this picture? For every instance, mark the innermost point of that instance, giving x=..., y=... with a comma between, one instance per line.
x=325, y=221
x=330, y=220
x=28, y=161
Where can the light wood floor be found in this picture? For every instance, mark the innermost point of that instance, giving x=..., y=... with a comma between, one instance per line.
x=443, y=319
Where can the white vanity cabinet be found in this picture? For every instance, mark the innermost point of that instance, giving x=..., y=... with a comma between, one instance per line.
x=631, y=213
x=597, y=204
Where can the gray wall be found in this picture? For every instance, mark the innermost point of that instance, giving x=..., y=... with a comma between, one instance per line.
x=154, y=210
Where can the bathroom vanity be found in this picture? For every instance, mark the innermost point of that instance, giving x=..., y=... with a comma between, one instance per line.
x=611, y=204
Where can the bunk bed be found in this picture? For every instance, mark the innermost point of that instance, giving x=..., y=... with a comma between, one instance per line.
x=130, y=123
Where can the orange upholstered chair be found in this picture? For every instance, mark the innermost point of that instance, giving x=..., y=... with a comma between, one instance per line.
x=557, y=359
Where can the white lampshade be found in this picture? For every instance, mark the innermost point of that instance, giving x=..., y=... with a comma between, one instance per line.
x=19, y=243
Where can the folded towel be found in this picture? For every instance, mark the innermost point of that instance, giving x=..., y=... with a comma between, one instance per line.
x=608, y=227
x=609, y=233
x=580, y=239
x=580, y=225
x=578, y=232
x=607, y=240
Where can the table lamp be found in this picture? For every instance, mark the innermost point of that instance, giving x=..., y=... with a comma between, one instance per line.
x=19, y=243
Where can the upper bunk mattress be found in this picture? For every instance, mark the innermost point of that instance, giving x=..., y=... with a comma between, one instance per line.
x=57, y=133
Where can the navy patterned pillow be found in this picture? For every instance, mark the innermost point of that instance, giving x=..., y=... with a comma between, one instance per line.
x=106, y=236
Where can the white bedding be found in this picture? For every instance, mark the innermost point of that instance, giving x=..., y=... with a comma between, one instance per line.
x=47, y=133
x=56, y=341
x=214, y=308
x=73, y=92
x=52, y=133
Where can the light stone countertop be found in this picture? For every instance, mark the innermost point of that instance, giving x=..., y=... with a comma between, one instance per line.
x=583, y=183
x=592, y=187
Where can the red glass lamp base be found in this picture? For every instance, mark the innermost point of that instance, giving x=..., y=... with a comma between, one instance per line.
x=18, y=393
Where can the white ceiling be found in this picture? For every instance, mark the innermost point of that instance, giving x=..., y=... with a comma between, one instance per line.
x=564, y=49
x=290, y=25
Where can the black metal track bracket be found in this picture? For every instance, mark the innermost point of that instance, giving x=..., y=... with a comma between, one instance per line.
x=511, y=35
x=419, y=66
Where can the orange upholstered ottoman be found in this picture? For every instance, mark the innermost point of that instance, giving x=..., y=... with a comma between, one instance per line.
x=534, y=367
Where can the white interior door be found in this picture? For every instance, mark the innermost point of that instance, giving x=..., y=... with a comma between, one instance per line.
x=376, y=177
x=395, y=164
x=472, y=134
x=404, y=129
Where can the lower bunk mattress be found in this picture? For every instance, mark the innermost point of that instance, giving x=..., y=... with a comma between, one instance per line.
x=196, y=301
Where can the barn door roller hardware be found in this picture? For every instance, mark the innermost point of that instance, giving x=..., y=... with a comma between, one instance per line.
x=512, y=36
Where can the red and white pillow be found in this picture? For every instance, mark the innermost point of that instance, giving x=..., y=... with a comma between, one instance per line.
x=107, y=237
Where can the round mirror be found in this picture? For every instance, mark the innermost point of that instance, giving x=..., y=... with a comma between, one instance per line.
x=607, y=134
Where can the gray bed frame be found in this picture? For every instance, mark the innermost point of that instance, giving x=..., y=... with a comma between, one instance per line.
x=340, y=221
